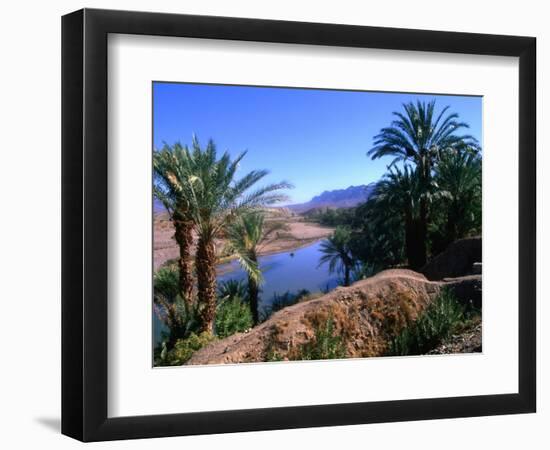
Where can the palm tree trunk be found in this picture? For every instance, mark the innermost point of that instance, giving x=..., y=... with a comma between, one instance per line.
x=206, y=277
x=450, y=230
x=422, y=234
x=453, y=215
x=175, y=327
x=416, y=250
x=253, y=292
x=422, y=226
x=411, y=240
x=184, y=238
x=346, y=275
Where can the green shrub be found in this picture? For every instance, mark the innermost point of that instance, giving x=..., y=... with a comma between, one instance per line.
x=362, y=270
x=184, y=349
x=166, y=282
x=233, y=315
x=272, y=355
x=325, y=345
x=170, y=307
x=281, y=301
x=232, y=288
x=441, y=318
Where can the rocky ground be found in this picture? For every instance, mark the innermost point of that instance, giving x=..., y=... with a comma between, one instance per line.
x=467, y=341
x=458, y=259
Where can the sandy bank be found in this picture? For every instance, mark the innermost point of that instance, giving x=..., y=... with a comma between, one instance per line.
x=299, y=234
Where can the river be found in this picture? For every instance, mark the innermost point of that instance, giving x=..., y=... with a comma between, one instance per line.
x=283, y=272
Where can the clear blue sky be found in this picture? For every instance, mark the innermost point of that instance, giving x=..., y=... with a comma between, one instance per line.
x=315, y=139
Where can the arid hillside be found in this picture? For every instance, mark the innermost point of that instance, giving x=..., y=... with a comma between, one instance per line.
x=367, y=315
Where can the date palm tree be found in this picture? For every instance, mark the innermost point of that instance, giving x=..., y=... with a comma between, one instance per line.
x=247, y=236
x=171, y=168
x=458, y=175
x=398, y=195
x=418, y=136
x=338, y=253
x=217, y=198
x=379, y=234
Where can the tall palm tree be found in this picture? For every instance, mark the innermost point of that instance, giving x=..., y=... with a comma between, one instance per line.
x=217, y=199
x=379, y=236
x=458, y=175
x=418, y=136
x=247, y=236
x=170, y=168
x=398, y=195
x=338, y=253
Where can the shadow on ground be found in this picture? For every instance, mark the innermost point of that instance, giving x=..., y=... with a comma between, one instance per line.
x=52, y=423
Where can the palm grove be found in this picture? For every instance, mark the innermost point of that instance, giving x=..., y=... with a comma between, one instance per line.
x=429, y=197
x=202, y=195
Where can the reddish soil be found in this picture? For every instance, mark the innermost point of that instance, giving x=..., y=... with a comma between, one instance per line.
x=367, y=315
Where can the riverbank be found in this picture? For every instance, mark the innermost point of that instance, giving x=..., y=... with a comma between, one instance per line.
x=298, y=234
x=285, y=274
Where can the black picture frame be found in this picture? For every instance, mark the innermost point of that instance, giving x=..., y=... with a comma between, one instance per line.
x=84, y=224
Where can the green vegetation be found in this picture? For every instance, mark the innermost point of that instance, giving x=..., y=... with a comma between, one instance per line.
x=170, y=167
x=231, y=288
x=441, y=318
x=429, y=197
x=179, y=318
x=281, y=301
x=326, y=344
x=419, y=138
x=362, y=270
x=202, y=194
x=338, y=253
x=233, y=314
x=458, y=177
x=331, y=217
x=247, y=234
x=183, y=349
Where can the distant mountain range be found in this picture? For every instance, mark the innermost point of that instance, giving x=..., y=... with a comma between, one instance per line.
x=338, y=198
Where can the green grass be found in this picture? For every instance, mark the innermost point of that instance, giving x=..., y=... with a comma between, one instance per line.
x=436, y=324
x=326, y=344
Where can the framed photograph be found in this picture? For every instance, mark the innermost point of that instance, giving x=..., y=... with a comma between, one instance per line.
x=273, y=224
